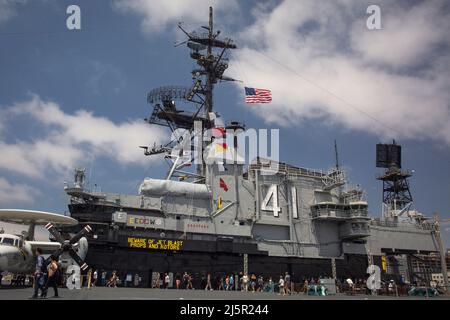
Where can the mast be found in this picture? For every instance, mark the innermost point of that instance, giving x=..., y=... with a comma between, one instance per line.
x=209, y=87
x=336, y=155
x=209, y=76
x=338, y=171
x=210, y=54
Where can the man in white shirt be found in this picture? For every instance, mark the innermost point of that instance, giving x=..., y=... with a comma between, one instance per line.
x=94, y=282
x=281, y=285
x=350, y=285
x=166, y=281
x=245, y=282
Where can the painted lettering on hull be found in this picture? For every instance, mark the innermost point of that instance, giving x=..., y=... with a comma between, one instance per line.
x=157, y=244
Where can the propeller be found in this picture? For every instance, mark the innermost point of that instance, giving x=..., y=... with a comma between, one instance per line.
x=67, y=245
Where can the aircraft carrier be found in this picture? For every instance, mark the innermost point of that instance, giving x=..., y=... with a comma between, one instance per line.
x=228, y=216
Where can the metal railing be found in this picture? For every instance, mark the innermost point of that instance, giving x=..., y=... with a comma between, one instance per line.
x=406, y=226
x=338, y=213
x=284, y=168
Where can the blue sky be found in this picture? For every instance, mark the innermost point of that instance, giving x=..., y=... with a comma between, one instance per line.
x=336, y=80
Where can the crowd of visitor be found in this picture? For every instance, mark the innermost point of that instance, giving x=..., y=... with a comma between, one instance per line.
x=51, y=276
x=184, y=280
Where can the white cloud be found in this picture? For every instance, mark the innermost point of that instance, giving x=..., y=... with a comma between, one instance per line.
x=394, y=83
x=158, y=14
x=16, y=193
x=8, y=9
x=409, y=34
x=338, y=76
x=71, y=140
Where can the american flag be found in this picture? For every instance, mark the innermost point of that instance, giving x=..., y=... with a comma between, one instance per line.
x=255, y=95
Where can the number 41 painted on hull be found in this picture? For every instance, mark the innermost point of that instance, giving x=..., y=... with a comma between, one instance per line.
x=272, y=194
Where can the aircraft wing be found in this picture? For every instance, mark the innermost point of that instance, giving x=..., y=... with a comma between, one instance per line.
x=46, y=246
x=35, y=217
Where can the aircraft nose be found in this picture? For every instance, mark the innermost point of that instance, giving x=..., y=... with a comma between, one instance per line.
x=4, y=253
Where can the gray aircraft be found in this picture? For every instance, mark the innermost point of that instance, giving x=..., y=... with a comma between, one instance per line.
x=18, y=253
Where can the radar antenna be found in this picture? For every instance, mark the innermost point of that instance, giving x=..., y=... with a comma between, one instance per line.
x=397, y=198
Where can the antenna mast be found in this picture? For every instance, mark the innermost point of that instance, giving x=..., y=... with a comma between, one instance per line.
x=210, y=54
x=336, y=155
x=209, y=76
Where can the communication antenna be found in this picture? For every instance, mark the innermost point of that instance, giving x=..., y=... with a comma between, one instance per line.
x=336, y=154
x=397, y=197
x=79, y=177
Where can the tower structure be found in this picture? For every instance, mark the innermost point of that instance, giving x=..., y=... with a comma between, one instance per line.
x=397, y=198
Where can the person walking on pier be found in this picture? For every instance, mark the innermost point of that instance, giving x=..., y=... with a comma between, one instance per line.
x=220, y=284
x=166, y=281
x=287, y=283
x=227, y=283
x=112, y=283
x=231, y=282
x=271, y=285
x=103, y=282
x=39, y=280
x=260, y=284
x=281, y=286
x=208, y=282
x=306, y=286
x=253, y=282
x=245, y=282
x=190, y=286
x=185, y=280
x=178, y=280
x=351, y=286
x=94, y=278
x=53, y=277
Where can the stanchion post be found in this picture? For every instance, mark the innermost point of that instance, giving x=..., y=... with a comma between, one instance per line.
x=89, y=278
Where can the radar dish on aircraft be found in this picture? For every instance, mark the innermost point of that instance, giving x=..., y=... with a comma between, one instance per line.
x=36, y=217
